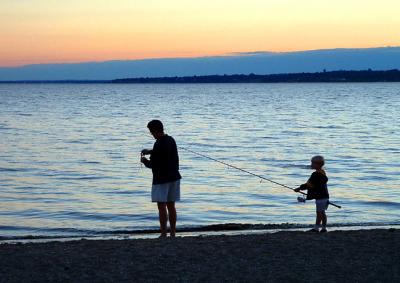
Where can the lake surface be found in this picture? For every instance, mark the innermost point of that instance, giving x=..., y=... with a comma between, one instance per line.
x=69, y=158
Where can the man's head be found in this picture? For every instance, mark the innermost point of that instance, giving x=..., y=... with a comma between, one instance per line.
x=317, y=162
x=156, y=128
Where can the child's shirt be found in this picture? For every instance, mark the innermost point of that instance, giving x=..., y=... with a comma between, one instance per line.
x=317, y=186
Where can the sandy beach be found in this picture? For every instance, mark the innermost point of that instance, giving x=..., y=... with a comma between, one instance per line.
x=346, y=256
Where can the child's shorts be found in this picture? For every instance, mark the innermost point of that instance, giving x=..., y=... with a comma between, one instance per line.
x=322, y=204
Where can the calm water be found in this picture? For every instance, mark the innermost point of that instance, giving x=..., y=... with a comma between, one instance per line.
x=69, y=159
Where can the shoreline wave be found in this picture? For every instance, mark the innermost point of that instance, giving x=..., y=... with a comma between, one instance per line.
x=238, y=228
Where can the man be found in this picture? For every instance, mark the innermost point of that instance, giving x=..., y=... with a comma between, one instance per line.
x=164, y=162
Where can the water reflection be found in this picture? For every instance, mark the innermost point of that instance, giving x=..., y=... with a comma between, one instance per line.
x=69, y=153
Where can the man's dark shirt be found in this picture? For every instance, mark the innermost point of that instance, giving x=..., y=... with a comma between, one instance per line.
x=164, y=161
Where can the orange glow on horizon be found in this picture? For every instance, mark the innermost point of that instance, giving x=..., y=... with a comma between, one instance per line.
x=44, y=31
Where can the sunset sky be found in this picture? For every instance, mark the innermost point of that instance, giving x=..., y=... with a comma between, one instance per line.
x=47, y=31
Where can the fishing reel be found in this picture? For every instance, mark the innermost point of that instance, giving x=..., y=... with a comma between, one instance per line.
x=301, y=198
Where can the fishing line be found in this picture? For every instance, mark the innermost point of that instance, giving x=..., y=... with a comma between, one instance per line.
x=247, y=172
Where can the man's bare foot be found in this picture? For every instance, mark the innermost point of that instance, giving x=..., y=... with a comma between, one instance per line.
x=172, y=235
x=163, y=236
x=323, y=230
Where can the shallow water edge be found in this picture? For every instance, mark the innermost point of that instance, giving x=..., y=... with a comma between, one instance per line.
x=227, y=229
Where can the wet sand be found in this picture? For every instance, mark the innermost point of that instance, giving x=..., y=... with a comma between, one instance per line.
x=345, y=256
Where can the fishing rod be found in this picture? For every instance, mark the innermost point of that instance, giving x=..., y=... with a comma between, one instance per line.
x=247, y=172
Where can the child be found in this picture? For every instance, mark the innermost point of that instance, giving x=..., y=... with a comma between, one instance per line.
x=317, y=189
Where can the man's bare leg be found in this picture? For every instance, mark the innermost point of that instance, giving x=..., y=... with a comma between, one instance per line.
x=172, y=217
x=318, y=220
x=162, y=214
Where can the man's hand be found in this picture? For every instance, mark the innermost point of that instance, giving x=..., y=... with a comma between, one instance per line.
x=146, y=151
x=297, y=190
x=143, y=159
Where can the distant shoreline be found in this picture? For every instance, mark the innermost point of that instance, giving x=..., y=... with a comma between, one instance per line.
x=364, y=76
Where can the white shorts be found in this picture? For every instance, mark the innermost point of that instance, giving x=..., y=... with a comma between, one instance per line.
x=166, y=192
x=322, y=204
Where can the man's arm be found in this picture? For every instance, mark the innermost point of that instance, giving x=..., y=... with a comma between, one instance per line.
x=146, y=162
x=154, y=156
x=147, y=151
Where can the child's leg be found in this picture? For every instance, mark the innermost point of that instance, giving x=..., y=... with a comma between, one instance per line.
x=321, y=206
x=318, y=220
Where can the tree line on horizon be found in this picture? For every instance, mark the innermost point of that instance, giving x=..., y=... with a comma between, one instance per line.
x=324, y=76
